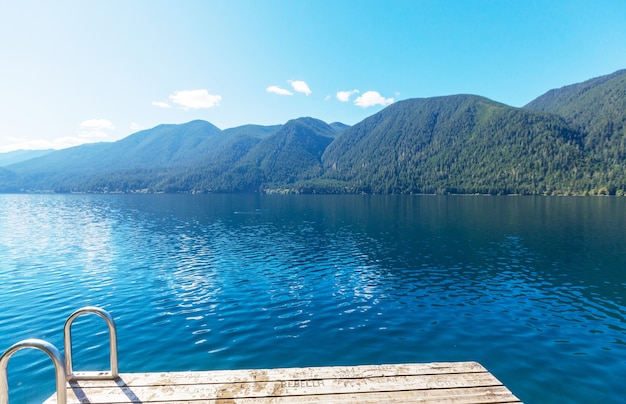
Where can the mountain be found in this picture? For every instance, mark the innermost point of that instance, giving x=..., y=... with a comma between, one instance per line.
x=217, y=171
x=160, y=146
x=597, y=107
x=456, y=144
x=291, y=154
x=139, y=161
x=255, y=131
x=20, y=155
x=237, y=142
x=163, y=145
x=338, y=126
x=191, y=157
x=49, y=171
x=570, y=140
x=83, y=167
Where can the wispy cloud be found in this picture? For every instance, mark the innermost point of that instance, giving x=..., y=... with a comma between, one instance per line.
x=161, y=104
x=297, y=85
x=95, y=128
x=89, y=131
x=135, y=127
x=43, y=144
x=97, y=124
x=17, y=143
x=195, y=99
x=300, y=86
x=278, y=90
x=371, y=98
x=344, y=96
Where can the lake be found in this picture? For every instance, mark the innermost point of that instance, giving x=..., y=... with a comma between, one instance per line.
x=533, y=288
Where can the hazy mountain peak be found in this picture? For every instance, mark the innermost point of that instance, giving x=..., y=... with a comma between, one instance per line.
x=18, y=156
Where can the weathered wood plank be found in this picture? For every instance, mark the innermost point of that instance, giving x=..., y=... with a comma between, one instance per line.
x=294, y=387
x=465, y=382
x=457, y=396
x=362, y=371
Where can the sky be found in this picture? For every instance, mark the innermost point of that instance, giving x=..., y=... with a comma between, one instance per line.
x=80, y=71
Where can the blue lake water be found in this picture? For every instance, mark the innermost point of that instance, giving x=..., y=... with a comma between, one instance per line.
x=533, y=288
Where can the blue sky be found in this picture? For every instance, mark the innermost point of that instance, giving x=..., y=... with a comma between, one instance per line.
x=73, y=72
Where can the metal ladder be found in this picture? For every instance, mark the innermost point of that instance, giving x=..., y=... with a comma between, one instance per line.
x=63, y=365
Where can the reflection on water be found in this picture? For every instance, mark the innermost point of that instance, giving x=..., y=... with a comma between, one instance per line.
x=533, y=288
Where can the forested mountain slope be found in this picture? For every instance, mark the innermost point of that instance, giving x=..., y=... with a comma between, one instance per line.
x=597, y=107
x=457, y=144
x=294, y=152
x=291, y=154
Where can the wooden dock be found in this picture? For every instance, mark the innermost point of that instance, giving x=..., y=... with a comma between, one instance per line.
x=445, y=382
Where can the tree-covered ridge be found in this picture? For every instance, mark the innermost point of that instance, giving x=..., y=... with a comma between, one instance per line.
x=293, y=153
x=289, y=155
x=568, y=141
x=458, y=144
x=597, y=107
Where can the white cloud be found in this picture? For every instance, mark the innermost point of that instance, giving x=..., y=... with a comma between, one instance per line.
x=371, y=98
x=344, y=96
x=278, y=90
x=90, y=134
x=161, y=104
x=18, y=143
x=300, y=86
x=195, y=99
x=97, y=124
x=94, y=128
x=135, y=127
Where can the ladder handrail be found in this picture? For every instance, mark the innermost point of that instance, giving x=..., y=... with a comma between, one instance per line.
x=112, y=348
x=50, y=350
